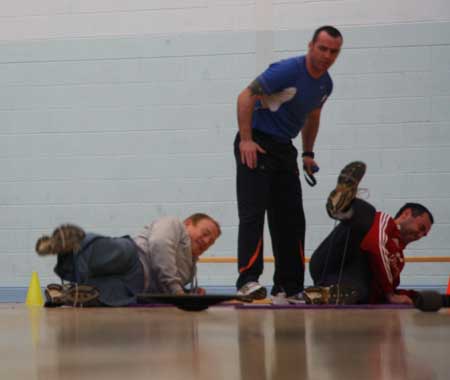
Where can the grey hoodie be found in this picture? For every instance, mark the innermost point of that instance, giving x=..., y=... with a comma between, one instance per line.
x=166, y=255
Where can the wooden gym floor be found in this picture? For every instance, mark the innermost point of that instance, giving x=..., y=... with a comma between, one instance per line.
x=222, y=343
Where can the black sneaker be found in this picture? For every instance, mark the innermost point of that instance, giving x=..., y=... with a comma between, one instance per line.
x=330, y=295
x=341, y=197
x=65, y=239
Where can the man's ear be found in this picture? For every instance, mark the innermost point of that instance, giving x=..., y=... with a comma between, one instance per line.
x=406, y=214
x=188, y=222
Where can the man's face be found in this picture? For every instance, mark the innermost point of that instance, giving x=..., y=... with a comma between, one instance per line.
x=414, y=228
x=323, y=51
x=203, y=235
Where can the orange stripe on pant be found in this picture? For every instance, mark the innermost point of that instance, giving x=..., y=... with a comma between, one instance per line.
x=253, y=258
x=302, y=254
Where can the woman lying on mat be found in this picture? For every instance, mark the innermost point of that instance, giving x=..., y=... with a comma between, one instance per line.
x=111, y=271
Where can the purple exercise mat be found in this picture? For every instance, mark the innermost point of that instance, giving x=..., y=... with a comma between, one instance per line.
x=251, y=306
x=318, y=307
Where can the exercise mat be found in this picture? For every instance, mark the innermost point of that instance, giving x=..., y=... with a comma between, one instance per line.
x=189, y=302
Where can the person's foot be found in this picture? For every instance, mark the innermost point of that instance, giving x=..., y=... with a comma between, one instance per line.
x=54, y=295
x=279, y=298
x=330, y=295
x=340, y=199
x=254, y=290
x=81, y=295
x=71, y=295
x=65, y=239
x=296, y=299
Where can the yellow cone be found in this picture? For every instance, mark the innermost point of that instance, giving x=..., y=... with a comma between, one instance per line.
x=34, y=295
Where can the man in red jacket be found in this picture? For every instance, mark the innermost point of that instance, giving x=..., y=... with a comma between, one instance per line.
x=363, y=254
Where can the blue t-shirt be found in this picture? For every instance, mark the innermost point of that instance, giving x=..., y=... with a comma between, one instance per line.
x=290, y=95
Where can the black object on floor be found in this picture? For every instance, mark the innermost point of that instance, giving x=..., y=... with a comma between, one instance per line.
x=189, y=302
x=432, y=301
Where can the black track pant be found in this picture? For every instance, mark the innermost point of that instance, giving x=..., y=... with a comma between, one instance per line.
x=339, y=259
x=274, y=186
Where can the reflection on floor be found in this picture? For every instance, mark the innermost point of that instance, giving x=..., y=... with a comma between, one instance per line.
x=222, y=343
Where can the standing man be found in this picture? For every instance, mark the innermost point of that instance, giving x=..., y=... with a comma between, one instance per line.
x=285, y=99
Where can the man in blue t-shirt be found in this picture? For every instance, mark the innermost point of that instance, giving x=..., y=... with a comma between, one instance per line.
x=285, y=99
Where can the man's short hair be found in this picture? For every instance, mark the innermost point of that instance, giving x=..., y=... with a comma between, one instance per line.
x=416, y=210
x=198, y=216
x=331, y=30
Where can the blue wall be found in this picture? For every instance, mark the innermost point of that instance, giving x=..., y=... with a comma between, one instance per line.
x=111, y=133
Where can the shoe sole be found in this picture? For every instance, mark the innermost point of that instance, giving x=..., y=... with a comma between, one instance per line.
x=81, y=295
x=296, y=302
x=66, y=238
x=342, y=295
x=342, y=196
x=331, y=295
x=314, y=295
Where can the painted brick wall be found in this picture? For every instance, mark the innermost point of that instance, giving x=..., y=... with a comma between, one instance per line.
x=113, y=114
x=23, y=19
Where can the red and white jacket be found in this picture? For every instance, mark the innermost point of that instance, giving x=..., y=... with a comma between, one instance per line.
x=382, y=244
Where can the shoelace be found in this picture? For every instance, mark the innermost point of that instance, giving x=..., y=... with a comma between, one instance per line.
x=75, y=301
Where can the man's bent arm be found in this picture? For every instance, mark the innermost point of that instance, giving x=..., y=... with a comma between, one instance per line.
x=309, y=134
x=310, y=130
x=245, y=106
x=163, y=244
